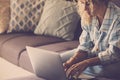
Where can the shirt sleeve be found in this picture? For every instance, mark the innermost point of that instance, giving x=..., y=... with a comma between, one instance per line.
x=85, y=42
x=112, y=53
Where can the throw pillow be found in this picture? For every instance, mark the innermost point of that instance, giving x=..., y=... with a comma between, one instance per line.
x=25, y=15
x=59, y=19
x=4, y=15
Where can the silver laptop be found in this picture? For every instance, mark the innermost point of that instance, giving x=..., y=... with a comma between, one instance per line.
x=46, y=64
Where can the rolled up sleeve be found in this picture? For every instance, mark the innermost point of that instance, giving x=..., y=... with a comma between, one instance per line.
x=112, y=53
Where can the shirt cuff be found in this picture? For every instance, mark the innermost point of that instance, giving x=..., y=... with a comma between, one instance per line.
x=107, y=57
x=82, y=48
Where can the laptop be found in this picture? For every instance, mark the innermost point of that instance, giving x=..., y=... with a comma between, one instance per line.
x=48, y=64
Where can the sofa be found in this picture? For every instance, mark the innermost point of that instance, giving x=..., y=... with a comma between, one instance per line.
x=14, y=38
x=17, y=31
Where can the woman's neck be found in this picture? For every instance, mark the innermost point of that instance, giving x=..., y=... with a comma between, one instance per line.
x=101, y=13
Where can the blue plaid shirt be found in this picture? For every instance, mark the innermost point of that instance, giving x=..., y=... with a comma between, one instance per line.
x=103, y=42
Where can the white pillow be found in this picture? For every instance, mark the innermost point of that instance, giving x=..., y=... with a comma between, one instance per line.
x=59, y=19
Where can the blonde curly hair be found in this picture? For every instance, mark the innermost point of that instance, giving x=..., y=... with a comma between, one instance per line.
x=86, y=17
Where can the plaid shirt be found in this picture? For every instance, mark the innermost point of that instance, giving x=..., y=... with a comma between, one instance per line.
x=103, y=42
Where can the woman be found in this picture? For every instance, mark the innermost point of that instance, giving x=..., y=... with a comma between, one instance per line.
x=99, y=47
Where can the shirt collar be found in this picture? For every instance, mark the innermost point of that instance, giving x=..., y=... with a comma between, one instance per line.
x=108, y=18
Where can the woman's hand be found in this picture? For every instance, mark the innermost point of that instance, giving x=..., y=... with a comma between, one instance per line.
x=78, y=57
x=76, y=69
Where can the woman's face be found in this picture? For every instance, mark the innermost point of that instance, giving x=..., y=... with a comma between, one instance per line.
x=86, y=11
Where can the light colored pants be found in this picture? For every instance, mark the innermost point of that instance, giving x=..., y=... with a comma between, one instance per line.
x=110, y=71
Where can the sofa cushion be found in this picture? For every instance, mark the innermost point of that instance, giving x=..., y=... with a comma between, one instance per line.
x=12, y=47
x=4, y=38
x=60, y=47
x=4, y=15
x=59, y=19
x=25, y=15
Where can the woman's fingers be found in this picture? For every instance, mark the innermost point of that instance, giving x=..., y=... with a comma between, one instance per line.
x=76, y=69
x=72, y=71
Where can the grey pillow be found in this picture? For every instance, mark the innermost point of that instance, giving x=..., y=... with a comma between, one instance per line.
x=59, y=19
